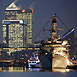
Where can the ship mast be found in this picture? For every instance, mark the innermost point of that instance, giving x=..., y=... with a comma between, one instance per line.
x=54, y=29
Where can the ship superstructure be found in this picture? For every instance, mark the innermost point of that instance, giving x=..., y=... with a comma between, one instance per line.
x=54, y=53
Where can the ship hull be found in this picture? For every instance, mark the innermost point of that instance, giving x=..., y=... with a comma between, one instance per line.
x=46, y=61
x=34, y=65
x=59, y=61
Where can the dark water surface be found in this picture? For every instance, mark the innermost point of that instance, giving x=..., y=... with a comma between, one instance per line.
x=36, y=72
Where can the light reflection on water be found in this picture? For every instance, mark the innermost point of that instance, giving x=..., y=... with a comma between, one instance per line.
x=61, y=70
x=24, y=69
x=35, y=72
x=12, y=69
x=33, y=69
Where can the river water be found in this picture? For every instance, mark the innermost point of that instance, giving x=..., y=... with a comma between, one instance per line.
x=36, y=72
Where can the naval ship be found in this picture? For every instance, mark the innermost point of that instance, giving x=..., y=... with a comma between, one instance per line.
x=55, y=52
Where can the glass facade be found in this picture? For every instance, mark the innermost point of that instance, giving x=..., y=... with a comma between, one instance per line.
x=18, y=27
x=4, y=33
x=14, y=33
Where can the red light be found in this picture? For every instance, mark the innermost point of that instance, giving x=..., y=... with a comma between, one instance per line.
x=23, y=10
x=52, y=19
x=56, y=19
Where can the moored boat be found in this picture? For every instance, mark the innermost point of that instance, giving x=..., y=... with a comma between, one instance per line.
x=34, y=62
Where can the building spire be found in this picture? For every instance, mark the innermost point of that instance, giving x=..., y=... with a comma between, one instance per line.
x=12, y=6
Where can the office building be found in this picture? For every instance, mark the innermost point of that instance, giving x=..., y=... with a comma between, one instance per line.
x=17, y=27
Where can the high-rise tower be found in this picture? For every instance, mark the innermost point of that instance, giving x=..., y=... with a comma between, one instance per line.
x=17, y=26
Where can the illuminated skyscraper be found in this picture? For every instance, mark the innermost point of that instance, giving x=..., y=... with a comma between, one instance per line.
x=17, y=26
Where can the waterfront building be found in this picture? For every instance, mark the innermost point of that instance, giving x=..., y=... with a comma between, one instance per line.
x=17, y=27
x=37, y=43
x=4, y=55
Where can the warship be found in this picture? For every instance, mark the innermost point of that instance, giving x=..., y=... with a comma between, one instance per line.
x=55, y=52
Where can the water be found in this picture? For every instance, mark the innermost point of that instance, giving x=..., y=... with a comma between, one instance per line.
x=38, y=74
x=35, y=72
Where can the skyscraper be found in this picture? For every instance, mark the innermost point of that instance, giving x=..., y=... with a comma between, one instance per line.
x=17, y=26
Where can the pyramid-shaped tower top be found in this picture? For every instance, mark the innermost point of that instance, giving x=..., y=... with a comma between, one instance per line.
x=12, y=6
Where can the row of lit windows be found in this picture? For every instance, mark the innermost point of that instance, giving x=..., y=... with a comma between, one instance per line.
x=4, y=34
x=4, y=41
x=14, y=38
x=10, y=13
x=4, y=28
x=4, y=38
x=10, y=17
x=29, y=35
x=16, y=44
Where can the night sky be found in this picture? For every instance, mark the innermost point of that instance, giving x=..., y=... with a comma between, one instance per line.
x=43, y=10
